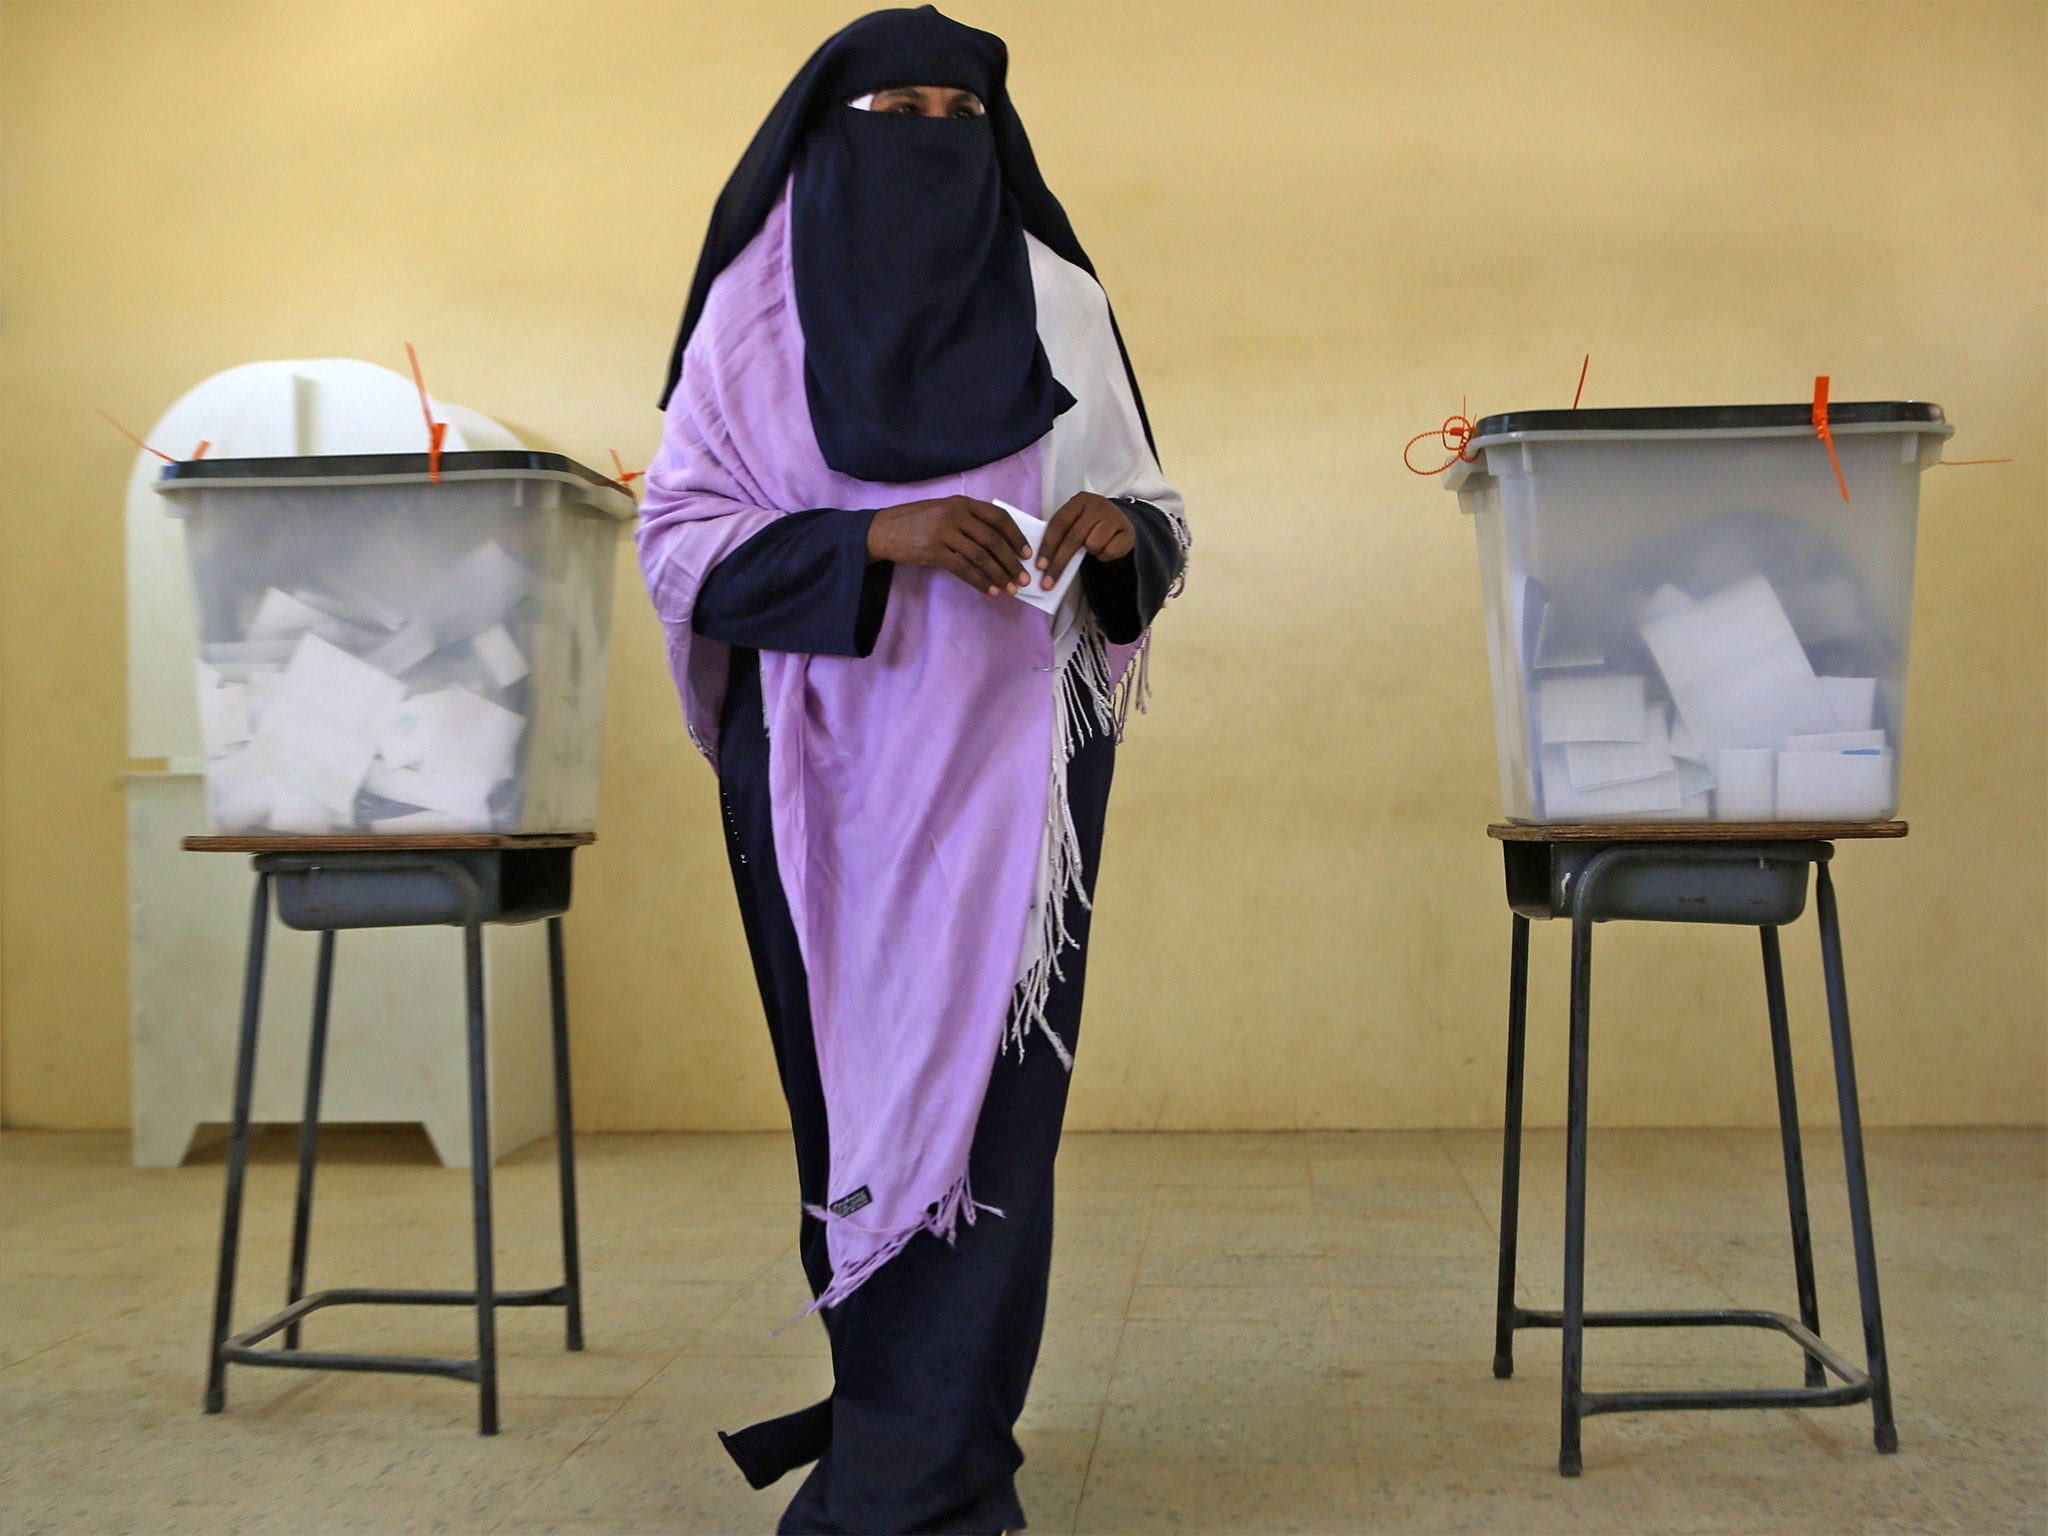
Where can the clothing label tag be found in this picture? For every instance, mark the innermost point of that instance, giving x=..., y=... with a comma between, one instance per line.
x=1033, y=529
x=846, y=1205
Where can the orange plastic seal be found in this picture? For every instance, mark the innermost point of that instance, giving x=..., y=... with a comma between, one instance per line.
x=197, y=453
x=625, y=476
x=1456, y=432
x=1453, y=435
x=1822, y=430
x=436, y=430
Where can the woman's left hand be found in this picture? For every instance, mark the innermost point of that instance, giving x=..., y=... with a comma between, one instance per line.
x=1087, y=524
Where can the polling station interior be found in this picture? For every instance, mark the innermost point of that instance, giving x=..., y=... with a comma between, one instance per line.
x=1614, y=439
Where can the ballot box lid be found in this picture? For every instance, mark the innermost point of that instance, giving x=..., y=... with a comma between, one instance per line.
x=1683, y=420
x=394, y=468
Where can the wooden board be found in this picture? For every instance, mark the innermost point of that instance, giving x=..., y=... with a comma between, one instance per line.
x=370, y=842
x=1695, y=831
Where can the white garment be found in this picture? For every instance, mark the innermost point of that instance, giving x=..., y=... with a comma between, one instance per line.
x=1099, y=446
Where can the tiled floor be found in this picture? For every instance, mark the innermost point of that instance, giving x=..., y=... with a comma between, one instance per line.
x=1248, y=1333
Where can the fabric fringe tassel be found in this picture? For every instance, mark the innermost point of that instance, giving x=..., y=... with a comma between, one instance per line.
x=1134, y=688
x=942, y=1221
x=1084, y=685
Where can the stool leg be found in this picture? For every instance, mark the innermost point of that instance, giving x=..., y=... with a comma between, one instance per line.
x=1885, y=1434
x=1568, y=1461
x=565, y=1136
x=1511, y=1150
x=238, y=1147
x=1788, y=1131
x=480, y=1179
x=309, y=1129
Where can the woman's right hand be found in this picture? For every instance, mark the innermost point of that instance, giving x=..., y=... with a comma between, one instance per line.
x=975, y=540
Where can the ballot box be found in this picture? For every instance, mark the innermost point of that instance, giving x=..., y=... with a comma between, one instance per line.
x=1689, y=617
x=393, y=645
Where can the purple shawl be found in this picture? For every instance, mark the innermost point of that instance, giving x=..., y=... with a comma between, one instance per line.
x=909, y=787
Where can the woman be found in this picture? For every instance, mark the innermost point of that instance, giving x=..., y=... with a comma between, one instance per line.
x=892, y=336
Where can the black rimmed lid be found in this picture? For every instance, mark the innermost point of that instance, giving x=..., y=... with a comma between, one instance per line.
x=1710, y=418
x=343, y=466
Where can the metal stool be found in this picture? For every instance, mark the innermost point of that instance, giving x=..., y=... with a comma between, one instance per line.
x=324, y=884
x=1697, y=872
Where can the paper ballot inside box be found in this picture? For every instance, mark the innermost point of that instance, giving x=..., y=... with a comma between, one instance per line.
x=394, y=709
x=1660, y=794
x=1736, y=669
x=1854, y=701
x=1598, y=764
x=1598, y=708
x=322, y=724
x=1834, y=786
x=455, y=733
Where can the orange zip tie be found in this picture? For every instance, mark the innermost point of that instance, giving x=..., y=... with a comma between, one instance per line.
x=625, y=476
x=1822, y=431
x=1456, y=431
x=197, y=453
x=1960, y=463
x=1454, y=434
x=436, y=430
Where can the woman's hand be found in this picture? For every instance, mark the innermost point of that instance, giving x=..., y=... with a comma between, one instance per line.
x=1089, y=523
x=975, y=540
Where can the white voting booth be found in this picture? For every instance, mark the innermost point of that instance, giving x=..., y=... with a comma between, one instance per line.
x=394, y=1056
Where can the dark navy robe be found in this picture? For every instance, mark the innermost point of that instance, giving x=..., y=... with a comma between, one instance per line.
x=932, y=1357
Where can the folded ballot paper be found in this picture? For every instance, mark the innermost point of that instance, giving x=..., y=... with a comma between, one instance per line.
x=1733, y=723
x=1033, y=529
x=333, y=712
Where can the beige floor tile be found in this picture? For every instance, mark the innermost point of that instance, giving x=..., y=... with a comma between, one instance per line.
x=1055, y=1470
x=1230, y=1303
x=1261, y=1332
x=656, y=1466
x=1111, y=1236
x=1134, y=1495
x=1456, y=1231
x=1202, y=1430
x=1198, y=1266
x=1364, y=1342
x=1256, y=1382
x=1224, y=1233
x=1079, y=1270
x=1071, y=1381
x=1868, y=1493
x=1309, y=1340
x=1470, y=1306
x=1380, y=1269
x=1240, y=1161
x=1519, y=1498
x=1467, y=1386
x=1406, y=1441
x=738, y=1389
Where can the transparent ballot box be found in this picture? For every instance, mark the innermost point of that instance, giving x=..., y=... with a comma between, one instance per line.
x=383, y=652
x=1686, y=619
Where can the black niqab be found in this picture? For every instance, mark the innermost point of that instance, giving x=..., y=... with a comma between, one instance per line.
x=913, y=283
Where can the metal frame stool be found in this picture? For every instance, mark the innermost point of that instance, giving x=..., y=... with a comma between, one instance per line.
x=1692, y=872
x=324, y=884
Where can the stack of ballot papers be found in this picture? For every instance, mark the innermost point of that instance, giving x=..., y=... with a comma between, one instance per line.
x=333, y=713
x=1733, y=723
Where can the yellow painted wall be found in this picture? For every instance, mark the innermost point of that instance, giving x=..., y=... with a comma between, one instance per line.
x=1323, y=226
